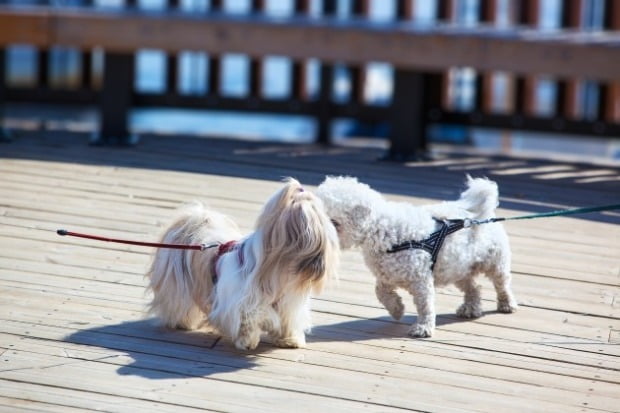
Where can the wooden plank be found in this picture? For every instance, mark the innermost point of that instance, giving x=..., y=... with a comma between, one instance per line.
x=70, y=307
x=365, y=341
x=527, y=325
x=24, y=397
x=25, y=26
x=521, y=52
x=587, y=319
x=273, y=366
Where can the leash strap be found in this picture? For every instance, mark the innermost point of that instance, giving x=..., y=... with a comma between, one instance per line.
x=200, y=247
x=557, y=213
x=433, y=243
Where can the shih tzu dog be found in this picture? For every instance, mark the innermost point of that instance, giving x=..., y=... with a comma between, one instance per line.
x=418, y=248
x=246, y=286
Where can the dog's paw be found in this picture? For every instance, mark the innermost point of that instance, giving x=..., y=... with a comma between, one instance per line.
x=420, y=331
x=507, y=307
x=247, y=342
x=468, y=310
x=290, y=342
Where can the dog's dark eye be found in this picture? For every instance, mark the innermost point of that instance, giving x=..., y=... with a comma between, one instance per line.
x=336, y=224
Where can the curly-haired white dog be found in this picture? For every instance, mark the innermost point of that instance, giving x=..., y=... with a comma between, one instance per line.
x=386, y=230
x=244, y=286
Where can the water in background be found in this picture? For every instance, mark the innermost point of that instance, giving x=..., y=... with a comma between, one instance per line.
x=193, y=69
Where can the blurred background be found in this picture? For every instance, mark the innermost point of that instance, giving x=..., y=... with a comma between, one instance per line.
x=65, y=67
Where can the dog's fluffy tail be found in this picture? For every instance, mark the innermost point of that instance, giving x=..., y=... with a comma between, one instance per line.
x=177, y=277
x=480, y=198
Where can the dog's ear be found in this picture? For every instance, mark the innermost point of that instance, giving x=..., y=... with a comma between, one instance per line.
x=360, y=213
x=313, y=267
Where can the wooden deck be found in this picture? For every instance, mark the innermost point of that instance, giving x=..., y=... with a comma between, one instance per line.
x=73, y=332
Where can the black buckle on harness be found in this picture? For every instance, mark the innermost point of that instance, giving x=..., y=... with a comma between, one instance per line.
x=433, y=243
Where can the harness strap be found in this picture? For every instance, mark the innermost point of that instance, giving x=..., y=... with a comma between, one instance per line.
x=224, y=249
x=433, y=243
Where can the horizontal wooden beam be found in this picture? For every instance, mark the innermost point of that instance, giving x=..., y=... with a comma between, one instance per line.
x=405, y=45
x=25, y=26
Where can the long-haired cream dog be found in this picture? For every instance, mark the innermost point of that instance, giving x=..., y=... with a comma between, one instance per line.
x=390, y=235
x=247, y=285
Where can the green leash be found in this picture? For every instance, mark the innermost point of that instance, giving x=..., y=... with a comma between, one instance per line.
x=557, y=213
x=432, y=244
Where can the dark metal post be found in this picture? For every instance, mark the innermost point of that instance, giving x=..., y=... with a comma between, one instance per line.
x=487, y=13
x=415, y=94
x=215, y=64
x=172, y=63
x=116, y=97
x=527, y=15
x=298, y=68
x=4, y=133
x=567, y=89
x=323, y=134
x=86, y=57
x=357, y=73
x=609, y=97
x=255, y=77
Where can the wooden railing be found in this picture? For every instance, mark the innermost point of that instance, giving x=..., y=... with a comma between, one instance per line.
x=427, y=59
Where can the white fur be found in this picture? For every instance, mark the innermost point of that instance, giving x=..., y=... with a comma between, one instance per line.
x=364, y=218
x=292, y=251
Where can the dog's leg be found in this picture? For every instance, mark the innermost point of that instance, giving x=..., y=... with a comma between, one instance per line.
x=294, y=321
x=184, y=315
x=506, y=302
x=387, y=295
x=295, y=339
x=286, y=337
x=471, y=307
x=423, y=292
x=248, y=336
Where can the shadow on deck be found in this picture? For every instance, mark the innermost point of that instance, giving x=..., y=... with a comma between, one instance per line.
x=526, y=184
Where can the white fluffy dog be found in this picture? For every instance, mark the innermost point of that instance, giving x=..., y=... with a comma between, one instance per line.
x=364, y=218
x=247, y=285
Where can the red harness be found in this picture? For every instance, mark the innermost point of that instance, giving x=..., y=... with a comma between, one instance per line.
x=224, y=249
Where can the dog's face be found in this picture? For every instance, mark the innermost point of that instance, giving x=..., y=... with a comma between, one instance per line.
x=349, y=205
x=299, y=239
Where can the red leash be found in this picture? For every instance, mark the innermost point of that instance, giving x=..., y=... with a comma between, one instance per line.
x=200, y=247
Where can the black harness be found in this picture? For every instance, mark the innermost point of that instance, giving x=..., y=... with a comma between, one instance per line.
x=433, y=243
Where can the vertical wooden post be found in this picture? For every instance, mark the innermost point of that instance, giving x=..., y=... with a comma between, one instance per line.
x=215, y=66
x=415, y=93
x=116, y=97
x=172, y=60
x=325, y=88
x=86, y=59
x=484, y=81
x=446, y=12
x=4, y=133
x=524, y=87
x=255, y=75
x=43, y=61
x=609, y=104
x=404, y=9
x=298, y=68
x=43, y=68
x=568, y=89
x=357, y=73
